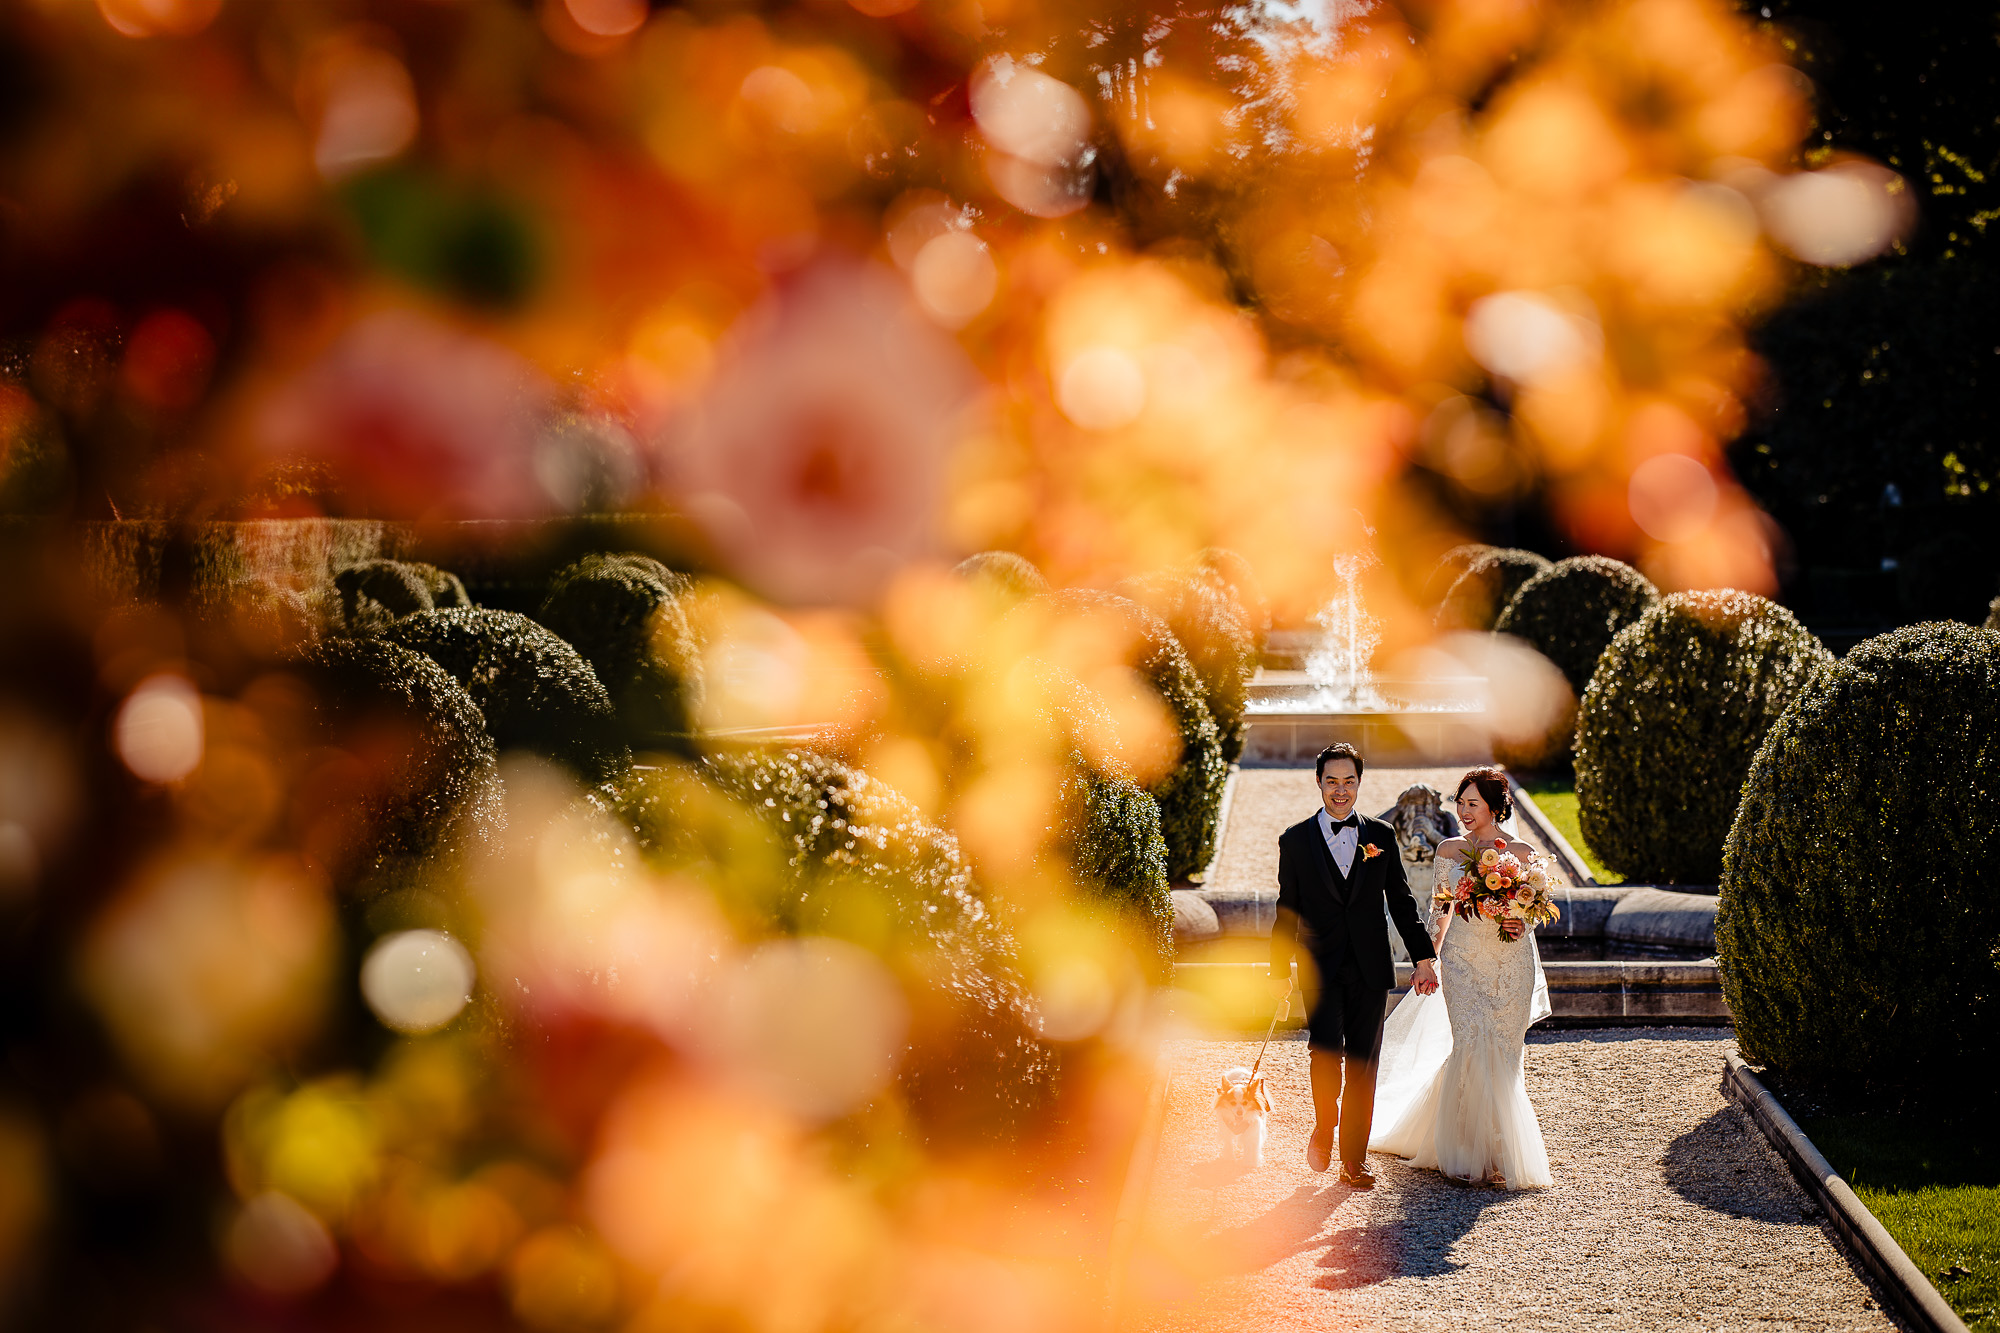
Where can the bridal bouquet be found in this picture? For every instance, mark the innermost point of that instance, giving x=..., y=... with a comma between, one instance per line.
x=1494, y=884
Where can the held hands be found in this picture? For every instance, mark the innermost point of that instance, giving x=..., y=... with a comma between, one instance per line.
x=1425, y=982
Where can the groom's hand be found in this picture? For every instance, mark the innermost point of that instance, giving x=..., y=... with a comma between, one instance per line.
x=1425, y=982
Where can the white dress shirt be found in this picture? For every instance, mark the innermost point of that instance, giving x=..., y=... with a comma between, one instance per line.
x=1343, y=842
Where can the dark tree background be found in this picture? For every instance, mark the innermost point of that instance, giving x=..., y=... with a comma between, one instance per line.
x=1875, y=445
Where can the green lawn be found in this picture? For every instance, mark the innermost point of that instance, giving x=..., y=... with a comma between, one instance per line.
x=1937, y=1190
x=1556, y=798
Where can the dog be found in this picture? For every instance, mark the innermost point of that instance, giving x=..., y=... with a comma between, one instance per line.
x=1242, y=1114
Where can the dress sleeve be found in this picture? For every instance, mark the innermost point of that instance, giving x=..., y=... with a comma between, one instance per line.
x=1441, y=878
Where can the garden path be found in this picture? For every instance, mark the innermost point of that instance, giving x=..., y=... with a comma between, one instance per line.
x=1669, y=1212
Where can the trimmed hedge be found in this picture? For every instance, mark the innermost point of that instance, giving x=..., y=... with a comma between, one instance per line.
x=376, y=593
x=1233, y=572
x=1448, y=568
x=853, y=858
x=537, y=692
x=1679, y=703
x=1489, y=583
x=1190, y=792
x=1202, y=614
x=1858, y=928
x=1012, y=578
x=1112, y=836
x=439, y=790
x=441, y=584
x=1570, y=612
x=625, y=614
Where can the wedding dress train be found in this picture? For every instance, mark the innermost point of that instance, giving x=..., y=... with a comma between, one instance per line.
x=1449, y=1091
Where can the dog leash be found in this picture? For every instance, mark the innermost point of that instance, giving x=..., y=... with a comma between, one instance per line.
x=1284, y=1011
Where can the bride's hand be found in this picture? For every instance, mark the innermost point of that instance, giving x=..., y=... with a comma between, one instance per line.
x=1513, y=928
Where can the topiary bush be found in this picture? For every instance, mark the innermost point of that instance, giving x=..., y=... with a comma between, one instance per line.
x=1111, y=834
x=1570, y=612
x=1449, y=567
x=374, y=594
x=422, y=786
x=441, y=584
x=536, y=692
x=1010, y=577
x=625, y=613
x=853, y=858
x=1234, y=574
x=1489, y=582
x=1675, y=711
x=1190, y=792
x=1205, y=619
x=1858, y=929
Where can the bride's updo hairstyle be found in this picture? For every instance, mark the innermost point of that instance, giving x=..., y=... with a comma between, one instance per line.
x=1492, y=784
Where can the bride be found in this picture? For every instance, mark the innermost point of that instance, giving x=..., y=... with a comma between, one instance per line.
x=1451, y=1094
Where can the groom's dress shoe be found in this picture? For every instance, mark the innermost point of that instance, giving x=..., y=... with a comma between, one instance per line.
x=1356, y=1176
x=1319, y=1151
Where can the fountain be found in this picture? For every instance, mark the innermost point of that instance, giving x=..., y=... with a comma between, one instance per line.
x=1294, y=712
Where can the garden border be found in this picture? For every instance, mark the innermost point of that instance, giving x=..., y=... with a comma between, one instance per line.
x=1916, y=1299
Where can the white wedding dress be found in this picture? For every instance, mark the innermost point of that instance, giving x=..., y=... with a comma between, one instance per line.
x=1449, y=1092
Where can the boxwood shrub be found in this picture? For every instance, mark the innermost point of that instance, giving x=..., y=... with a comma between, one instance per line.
x=1204, y=617
x=1012, y=578
x=1233, y=572
x=1448, y=568
x=1190, y=792
x=435, y=792
x=850, y=857
x=374, y=594
x=536, y=692
x=626, y=614
x=1489, y=582
x=1112, y=837
x=1858, y=927
x=1676, y=709
x=1570, y=612
x=443, y=586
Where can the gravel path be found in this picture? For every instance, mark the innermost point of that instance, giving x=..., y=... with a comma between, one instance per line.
x=1669, y=1212
x=1269, y=800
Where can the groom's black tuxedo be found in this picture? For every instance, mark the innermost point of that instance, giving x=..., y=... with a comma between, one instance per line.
x=1337, y=921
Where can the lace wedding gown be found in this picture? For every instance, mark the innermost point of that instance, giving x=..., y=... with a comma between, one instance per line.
x=1449, y=1092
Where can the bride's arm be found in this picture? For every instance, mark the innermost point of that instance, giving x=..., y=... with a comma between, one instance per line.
x=1444, y=876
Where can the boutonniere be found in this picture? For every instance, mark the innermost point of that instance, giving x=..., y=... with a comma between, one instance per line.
x=1369, y=851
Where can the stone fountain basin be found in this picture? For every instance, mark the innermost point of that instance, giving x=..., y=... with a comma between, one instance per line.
x=1288, y=691
x=1406, y=722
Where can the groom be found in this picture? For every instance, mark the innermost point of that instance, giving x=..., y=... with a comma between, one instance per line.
x=1335, y=872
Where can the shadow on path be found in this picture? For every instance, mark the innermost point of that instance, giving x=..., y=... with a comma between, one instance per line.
x=1416, y=1218
x=1723, y=1165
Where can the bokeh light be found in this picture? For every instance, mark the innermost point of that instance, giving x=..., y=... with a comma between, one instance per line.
x=158, y=732
x=417, y=980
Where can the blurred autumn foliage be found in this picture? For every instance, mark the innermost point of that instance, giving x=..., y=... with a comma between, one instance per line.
x=317, y=1002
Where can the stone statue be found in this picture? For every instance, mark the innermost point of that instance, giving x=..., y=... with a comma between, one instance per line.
x=1421, y=823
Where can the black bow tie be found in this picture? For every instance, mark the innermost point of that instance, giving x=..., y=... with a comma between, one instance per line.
x=1352, y=821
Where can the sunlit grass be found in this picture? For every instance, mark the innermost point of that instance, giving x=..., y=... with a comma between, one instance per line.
x=1936, y=1190
x=1556, y=799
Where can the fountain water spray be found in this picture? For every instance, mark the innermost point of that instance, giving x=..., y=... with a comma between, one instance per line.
x=1338, y=666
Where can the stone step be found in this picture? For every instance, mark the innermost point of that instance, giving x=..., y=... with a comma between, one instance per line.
x=1234, y=996
x=1638, y=914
